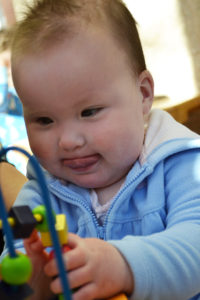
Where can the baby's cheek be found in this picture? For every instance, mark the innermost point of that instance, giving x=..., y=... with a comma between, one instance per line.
x=41, y=150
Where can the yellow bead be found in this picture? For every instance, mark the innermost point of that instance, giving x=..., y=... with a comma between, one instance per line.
x=62, y=231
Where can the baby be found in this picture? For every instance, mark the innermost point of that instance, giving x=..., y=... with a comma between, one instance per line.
x=126, y=177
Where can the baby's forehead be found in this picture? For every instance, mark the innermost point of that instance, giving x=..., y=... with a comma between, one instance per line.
x=78, y=32
x=94, y=42
x=46, y=26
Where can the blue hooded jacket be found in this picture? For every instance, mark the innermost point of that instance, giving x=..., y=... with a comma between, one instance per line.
x=154, y=220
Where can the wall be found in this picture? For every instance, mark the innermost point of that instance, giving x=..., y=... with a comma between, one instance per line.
x=190, y=15
x=166, y=32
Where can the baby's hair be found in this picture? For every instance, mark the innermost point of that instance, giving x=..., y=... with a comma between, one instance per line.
x=48, y=22
x=5, y=39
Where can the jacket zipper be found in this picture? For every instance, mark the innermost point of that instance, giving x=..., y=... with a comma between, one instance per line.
x=101, y=230
x=142, y=170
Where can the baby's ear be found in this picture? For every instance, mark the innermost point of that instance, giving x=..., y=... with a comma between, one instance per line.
x=147, y=90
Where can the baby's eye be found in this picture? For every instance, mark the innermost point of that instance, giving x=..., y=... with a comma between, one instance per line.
x=90, y=112
x=44, y=120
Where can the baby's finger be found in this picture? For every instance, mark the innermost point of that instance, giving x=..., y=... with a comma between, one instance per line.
x=78, y=283
x=56, y=286
x=33, y=244
x=79, y=277
x=72, y=259
x=50, y=268
x=87, y=291
x=75, y=258
x=73, y=240
x=33, y=237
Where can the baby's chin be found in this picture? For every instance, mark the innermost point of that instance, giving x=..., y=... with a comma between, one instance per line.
x=86, y=184
x=110, y=187
x=89, y=180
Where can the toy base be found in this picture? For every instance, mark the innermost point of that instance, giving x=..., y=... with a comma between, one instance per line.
x=10, y=292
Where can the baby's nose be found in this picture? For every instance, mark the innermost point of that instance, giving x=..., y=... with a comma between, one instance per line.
x=70, y=140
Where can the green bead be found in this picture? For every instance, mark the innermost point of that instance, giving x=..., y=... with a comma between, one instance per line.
x=41, y=210
x=16, y=270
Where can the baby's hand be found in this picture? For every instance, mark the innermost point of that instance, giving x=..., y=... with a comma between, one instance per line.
x=39, y=282
x=96, y=269
x=35, y=250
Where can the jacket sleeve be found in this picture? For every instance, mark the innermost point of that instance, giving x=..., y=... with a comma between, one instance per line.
x=166, y=265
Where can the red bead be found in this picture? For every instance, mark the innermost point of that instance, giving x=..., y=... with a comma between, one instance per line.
x=65, y=248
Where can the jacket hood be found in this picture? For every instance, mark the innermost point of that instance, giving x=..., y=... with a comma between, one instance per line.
x=163, y=130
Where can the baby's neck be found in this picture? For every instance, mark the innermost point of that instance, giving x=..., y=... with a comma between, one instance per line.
x=106, y=193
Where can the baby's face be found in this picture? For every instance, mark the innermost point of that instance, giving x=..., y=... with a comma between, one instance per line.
x=83, y=109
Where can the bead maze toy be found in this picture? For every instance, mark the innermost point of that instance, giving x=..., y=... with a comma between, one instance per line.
x=16, y=268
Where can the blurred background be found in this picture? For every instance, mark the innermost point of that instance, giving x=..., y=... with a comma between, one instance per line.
x=170, y=35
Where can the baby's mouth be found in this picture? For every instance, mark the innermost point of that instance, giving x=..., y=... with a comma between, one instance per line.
x=81, y=163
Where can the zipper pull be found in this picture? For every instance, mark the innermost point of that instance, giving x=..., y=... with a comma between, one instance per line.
x=101, y=233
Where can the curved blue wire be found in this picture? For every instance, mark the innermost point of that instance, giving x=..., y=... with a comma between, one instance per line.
x=6, y=228
x=50, y=219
